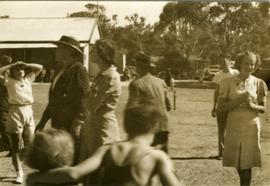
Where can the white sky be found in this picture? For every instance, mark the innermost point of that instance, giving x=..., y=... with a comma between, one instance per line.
x=18, y=9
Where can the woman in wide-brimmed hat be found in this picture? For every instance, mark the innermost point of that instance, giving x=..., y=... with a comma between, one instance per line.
x=68, y=89
x=102, y=127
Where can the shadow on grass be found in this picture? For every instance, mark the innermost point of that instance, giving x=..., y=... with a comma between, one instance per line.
x=10, y=179
x=197, y=158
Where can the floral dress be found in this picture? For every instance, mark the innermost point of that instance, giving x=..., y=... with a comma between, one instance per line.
x=242, y=148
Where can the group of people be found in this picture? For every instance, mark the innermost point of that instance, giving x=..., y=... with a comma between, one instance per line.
x=239, y=97
x=83, y=143
x=84, y=131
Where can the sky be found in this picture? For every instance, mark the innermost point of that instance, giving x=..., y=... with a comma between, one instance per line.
x=22, y=9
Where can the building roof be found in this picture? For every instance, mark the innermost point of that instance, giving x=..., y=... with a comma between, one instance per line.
x=46, y=30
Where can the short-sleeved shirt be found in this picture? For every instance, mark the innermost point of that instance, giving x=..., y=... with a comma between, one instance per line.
x=222, y=75
x=20, y=91
x=234, y=87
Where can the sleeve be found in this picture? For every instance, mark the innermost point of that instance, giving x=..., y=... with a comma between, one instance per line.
x=31, y=77
x=112, y=93
x=108, y=94
x=82, y=81
x=133, y=92
x=224, y=88
x=5, y=78
x=262, y=91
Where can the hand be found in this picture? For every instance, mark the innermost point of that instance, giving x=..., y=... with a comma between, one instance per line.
x=20, y=142
x=250, y=104
x=213, y=112
x=76, y=128
x=19, y=63
x=244, y=97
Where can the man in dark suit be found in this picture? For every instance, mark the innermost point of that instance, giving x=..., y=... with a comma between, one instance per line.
x=68, y=91
x=148, y=86
x=4, y=142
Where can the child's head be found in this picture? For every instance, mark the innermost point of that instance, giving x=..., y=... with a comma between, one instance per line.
x=52, y=148
x=143, y=116
x=17, y=71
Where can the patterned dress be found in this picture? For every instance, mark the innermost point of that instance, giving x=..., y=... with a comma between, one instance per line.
x=101, y=126
x=242, y=148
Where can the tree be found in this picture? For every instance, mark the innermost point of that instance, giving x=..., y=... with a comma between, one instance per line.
x=209, y=29
x=4, y=16
x=241, y=26
x=183, y=26
x=98, y=11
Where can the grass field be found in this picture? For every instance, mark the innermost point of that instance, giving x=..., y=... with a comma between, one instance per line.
x=193, y=140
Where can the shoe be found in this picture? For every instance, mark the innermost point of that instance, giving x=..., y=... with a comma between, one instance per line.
x=19, y=178
x=219, y=157
x=9, y=154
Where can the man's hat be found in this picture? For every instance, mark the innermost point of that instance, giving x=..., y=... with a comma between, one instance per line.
x=70, y=42
x=144, y=60
x=5, y=60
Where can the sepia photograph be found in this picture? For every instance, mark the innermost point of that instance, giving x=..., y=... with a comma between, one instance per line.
x=135, y=93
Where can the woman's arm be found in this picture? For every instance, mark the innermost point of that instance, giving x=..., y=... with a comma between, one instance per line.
x=261, y=107
x=2, y=72
x=262, y=92
x=5, y=68
x=70, y=174
x=108, y=95
x=226, y=105
x=37, y=68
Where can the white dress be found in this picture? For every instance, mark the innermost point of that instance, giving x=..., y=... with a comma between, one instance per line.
x=242, y=148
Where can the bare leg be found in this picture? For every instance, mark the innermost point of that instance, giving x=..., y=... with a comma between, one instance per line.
x=15, y=142
x=16, y=160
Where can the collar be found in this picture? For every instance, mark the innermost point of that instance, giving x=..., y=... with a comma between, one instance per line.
x=108, y=70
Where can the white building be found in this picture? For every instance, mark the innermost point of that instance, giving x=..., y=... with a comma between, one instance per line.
x=30, y=39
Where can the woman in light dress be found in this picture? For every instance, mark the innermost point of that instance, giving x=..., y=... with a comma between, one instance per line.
x=101, y=126
x=244, y=97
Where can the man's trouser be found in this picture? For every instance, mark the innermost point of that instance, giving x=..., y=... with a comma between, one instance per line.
x=221, y=122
